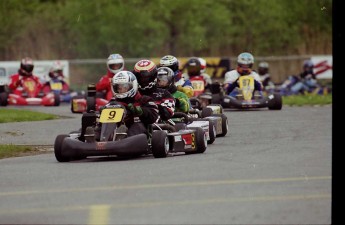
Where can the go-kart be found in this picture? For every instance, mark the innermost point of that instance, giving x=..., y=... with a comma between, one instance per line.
x=112, y=138
x=92, y=101
x=60, y=88
x=28, y=94
x=246, y=97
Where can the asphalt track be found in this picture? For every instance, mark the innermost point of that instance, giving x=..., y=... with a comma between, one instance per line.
x=273, y=167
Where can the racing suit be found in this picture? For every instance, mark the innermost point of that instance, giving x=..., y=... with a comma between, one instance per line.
x=230, y=81
x=181, y=100
x=164, y=100
x=183, y=85
x=16, y=80
x=103, y=85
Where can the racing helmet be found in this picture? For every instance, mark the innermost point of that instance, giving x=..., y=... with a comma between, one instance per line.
x=263, y=68
x=203, y=65
x=26, y=66
x=56, y=70
x=308, y=66
x=193, y=66
x=146, y=72
x=124, y=85
x=115, y=63
x=245, y=63
x=170, y=61
x=165, y=77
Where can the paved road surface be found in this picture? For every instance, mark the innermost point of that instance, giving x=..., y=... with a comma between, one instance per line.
x=274, y=167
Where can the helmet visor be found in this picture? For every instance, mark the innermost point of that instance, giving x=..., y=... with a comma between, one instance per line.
x=28, y=68
x=115, y=66
x=162, y=81
x=122, y=87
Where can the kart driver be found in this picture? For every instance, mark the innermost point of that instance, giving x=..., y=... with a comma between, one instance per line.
x=245, y=63
x=24, y=72
x=56, y=73
x=146, y=73
x=124, y=87
x=194, y=68
x=165, y=80
x=184, y=85
x=115, y=64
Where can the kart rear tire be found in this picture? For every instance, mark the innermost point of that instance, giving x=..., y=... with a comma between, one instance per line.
x=201, y=140
x=276, y=103
x=212, y=132
x=58, y=148
x=4, y=99
x=56, y=99
x=225, y=124
x=160, y=144
x=90, y=104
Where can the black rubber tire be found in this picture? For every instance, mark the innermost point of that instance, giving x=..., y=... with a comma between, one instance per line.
x=225, y=124
x=276, y=103
x=56, y=99
x=160, y=144
x=3, y=98
x=212, y=132
x=201, y=142
x=58, y=147
x=90, y=104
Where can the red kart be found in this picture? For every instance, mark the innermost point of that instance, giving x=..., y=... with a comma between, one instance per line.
x=92, y=102
x=29, y=93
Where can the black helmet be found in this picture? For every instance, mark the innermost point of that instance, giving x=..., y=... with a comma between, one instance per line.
x=193, y=67
x=146, y=72
x=26, y=67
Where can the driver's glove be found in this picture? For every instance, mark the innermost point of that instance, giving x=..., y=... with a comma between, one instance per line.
x=136, y=110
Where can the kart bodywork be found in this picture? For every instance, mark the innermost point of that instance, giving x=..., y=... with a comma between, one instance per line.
x=246, y=97
x=112, y=138
x=28, y=94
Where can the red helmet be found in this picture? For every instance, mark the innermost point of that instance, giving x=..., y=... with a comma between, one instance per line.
x=146, y=72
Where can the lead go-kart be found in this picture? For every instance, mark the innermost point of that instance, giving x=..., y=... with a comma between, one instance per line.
x=246, y=97
x=28, y=94
x=113, y=140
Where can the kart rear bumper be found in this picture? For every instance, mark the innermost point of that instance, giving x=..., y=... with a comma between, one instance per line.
x=133, y=145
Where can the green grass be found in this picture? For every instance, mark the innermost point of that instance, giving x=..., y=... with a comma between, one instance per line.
x=19, y=115
x=308, y=99
x=7, y=151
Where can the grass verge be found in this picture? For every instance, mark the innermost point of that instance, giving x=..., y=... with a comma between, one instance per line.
x=308, y=99
x=22, y=115
x=8, y=151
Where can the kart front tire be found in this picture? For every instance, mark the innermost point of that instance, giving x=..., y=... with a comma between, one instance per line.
x=58, y=148
x=160, y=144
x=4, y=99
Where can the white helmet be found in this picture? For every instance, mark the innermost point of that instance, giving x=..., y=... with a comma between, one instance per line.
x=245, y=63
x=203, y=65
x=245, y=58
x=169, y=61
x=115, y=63
x=124, y=84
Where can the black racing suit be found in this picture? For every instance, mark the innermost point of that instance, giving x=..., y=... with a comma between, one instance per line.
x=164, y=99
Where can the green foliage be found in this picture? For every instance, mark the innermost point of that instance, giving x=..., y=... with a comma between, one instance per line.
x=308, y=99
x=67, y=29
x=17, y=115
